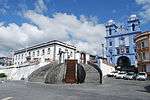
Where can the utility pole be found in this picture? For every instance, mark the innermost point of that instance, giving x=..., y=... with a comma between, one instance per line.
x=102, y=50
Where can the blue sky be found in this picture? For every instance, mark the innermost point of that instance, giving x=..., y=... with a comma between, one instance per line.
x=102, y=9
x=80, y=22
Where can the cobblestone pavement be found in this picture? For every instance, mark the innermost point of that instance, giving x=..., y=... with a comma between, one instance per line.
x=111, y=89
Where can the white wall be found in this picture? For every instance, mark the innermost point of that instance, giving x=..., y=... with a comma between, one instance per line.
x=87, y=58
x=78, y=57
x=72, y=55
x=106, y=69
x=116, y=42
x=18, y=73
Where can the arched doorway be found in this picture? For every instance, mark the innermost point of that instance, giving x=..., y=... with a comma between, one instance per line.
x=83, y=58
x=123, y=62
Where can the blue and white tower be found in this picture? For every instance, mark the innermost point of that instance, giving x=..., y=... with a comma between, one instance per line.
x=120, y=45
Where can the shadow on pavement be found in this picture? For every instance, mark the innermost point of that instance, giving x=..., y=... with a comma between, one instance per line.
x=147, y=88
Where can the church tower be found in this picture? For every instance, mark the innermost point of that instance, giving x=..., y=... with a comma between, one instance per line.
x=111, y=28
x=133, y=23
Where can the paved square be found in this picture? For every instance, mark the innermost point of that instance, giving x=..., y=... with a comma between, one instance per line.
x=112, y=89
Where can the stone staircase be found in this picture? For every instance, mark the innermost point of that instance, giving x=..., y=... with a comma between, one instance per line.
x=39, y=74
x=93, y=73
x=54, y=73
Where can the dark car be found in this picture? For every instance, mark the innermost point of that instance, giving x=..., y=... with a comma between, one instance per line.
x=130, y=76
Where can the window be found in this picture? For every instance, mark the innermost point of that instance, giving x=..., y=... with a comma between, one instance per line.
x=143, y=56
x=118, y=51
x=147, y=56
x=110, y=31
x=127, y=49
x=19, y=57
x=48, y=51
x=22, y=56
x=33, y=54
x=38, y=53
x=16, y=57
x=59, y=52
x=29, y=53
x=144, y=43
x=71, y=54
x=110, y=43
x=138, y=56
x=43, y=52
x=135, y=49
x=133, y=27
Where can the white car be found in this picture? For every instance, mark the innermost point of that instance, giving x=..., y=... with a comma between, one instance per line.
x=112, y=74
x=141, y=76
x=120, y=75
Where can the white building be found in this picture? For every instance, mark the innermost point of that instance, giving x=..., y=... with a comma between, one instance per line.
x=45, y=52
x=82, y=57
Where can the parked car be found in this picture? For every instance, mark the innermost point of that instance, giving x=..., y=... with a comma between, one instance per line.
x=120, y=75
x=116, y=73
x=141, y=76
x=130, y=76
x=112, y=74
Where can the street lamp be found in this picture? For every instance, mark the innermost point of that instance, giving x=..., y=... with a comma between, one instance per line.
x=102, y=50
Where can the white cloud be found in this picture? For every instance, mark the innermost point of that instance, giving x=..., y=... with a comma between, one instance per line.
x=84, y=34
x=40, y=6
x=145, y=13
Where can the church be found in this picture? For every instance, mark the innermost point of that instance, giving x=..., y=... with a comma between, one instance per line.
x=120, y=44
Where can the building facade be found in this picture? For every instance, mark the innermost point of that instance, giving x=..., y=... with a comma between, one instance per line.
x=82, y=57
x=120, y=45
x=5, y=61
x=45, y=52
x=143, y=52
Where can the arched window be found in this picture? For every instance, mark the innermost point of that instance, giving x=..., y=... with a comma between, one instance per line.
x=110, y=31
x=38, y=53
x=48, y=51
x=33, y=53
x=133, y=27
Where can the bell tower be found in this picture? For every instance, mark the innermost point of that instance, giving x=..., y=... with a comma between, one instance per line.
x=111, y=28
x=133, y=23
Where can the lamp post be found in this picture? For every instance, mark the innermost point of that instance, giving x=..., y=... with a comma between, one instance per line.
x=102, y=50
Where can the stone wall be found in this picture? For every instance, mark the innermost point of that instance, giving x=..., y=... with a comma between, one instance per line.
x=15, y=73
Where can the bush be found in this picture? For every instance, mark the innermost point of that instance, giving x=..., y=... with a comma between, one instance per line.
x=2, y=75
